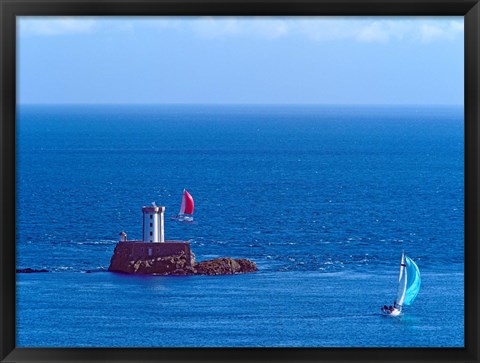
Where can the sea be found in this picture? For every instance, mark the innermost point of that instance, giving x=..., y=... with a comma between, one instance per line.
x=323, y=199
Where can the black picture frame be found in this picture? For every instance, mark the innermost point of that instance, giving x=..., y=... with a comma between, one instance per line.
x=10, y=9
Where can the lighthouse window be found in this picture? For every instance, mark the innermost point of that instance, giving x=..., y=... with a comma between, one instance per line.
x=151, y=216
x=151, y=224
x=151, y=233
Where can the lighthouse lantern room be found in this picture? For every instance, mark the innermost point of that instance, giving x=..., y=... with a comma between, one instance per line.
x=153, y=220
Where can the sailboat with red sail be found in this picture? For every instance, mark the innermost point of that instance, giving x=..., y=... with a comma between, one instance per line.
x=186, y=209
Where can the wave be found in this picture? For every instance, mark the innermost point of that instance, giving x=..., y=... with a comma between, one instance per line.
x=96, y=243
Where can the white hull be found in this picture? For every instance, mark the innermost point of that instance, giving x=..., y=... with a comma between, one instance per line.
x=183, y=218
x=394, y=312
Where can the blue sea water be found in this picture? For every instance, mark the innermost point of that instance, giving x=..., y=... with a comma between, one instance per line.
x=323, y=198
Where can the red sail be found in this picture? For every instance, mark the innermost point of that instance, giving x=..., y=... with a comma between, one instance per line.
x=188, y=203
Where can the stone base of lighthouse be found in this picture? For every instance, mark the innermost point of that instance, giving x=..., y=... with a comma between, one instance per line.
x=171, y=258
x=166, y=258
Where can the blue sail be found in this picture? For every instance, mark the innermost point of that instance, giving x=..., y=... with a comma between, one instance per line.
x=413, y=281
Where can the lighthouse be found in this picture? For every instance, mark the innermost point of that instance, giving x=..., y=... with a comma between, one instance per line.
x=152, y=246
x=153, y=220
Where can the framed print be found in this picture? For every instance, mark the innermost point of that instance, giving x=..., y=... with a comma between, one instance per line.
x=248, y=181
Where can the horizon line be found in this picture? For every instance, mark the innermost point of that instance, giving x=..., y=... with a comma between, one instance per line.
x=233, y=104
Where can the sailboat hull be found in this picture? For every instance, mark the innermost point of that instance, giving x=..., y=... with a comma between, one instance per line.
x=183, y=218
x=394, y=312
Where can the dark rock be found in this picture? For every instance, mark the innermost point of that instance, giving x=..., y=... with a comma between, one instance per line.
x=246, y=265
x=170, y=265
x=29, y=270
x=224, y=266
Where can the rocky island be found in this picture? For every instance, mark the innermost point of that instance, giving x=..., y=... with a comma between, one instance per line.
x=153, y=255
x=29, y=270
x=179, y=264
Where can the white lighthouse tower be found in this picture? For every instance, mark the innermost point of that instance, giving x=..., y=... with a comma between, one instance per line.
x=153, y=224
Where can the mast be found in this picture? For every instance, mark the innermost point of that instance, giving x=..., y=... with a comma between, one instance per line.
x=402, y=282
x=182, y=207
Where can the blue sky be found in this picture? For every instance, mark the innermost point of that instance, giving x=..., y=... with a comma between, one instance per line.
x=240, y=60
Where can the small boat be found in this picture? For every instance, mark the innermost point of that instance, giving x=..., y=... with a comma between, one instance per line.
x=409, y=282
x=186, y=209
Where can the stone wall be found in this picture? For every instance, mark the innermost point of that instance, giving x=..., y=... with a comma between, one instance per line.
x=171, y=258
x=137, y=250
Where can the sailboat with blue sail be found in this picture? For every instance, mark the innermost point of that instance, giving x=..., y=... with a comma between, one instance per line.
x=409, y=282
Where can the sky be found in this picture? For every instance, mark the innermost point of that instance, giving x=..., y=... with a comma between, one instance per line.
x=240, y=60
